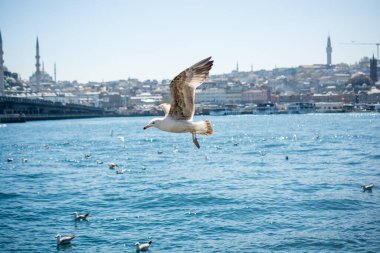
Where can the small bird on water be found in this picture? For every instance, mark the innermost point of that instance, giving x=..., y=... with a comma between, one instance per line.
x=367, y=187
x=179, y=114
x=64, y=240
x=143, y=247
x=113, y=166
x=80, y=217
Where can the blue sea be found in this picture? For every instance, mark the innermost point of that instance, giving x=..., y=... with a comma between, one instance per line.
x=276, y=183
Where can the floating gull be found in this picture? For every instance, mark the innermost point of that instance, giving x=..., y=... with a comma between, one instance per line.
x=143, y=247
x=9, y=159
x=24, y=160
x=120, y=171
x=112, y=166
x=99, y=162
x=64, y=240
x=122, y=139
x=367, y=187
x=80, y=217
x=87, y=155
x=179, y=114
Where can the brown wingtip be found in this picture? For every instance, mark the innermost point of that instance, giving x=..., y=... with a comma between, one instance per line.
x=209, y=128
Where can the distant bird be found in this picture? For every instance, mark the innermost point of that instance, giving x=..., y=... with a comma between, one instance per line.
x=179, y=114
x=64, y=240
x=80, y=217
x=286, y=158
x=120, y=171
x=112, y=166
x=143, y=247
x=9, y=159
x=24, y=160
x=122, y=139
x=160, y=152
x=367, y=187
x=99, y=162
x=87, y=155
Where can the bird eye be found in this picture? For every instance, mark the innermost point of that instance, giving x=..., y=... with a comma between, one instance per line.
x=153, y=122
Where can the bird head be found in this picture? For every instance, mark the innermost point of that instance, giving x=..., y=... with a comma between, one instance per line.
x=153, y=123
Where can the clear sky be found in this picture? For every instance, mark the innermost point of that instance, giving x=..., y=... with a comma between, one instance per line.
x=93, y=40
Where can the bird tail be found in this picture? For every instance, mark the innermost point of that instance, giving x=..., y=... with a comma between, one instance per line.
x=206, y=127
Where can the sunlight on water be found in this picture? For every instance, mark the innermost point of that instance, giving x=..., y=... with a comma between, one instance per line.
x=260, y=183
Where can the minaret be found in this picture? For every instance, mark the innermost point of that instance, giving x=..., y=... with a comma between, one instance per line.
x=1, y=67
x=373, y=69
x=328, y=51
x=55, y=73
x=237, y=66
x=38, y=72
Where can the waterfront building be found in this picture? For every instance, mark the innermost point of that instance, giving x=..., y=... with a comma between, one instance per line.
x=329, y=51
x=2, y=86
x=255, y=96
x=211, y=96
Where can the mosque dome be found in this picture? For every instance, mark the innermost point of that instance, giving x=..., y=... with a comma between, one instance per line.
x=359, y=81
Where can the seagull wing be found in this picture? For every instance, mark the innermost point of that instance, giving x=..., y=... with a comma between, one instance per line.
x=67, y=239
x=165, y=107
x=182, y=89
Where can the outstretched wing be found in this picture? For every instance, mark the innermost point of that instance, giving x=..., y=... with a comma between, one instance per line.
x=165, y=107
x=182, y=89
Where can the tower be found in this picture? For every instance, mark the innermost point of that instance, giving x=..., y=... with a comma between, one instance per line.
x=237, y=66
x=1, y=67
x=38, y=72
x=373, y=69
x=55, y=73
x=328, y=51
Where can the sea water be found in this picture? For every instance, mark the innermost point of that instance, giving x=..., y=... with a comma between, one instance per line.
x=276, y=183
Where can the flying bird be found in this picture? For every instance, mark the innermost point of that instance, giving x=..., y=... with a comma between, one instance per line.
x=179, y=114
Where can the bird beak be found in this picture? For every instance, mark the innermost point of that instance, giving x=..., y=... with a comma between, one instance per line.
x=146, y=127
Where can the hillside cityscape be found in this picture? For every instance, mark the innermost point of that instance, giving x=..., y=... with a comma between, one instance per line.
x=324, y=87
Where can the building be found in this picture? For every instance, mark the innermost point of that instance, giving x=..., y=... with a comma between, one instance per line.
x=329, y=51
x=39, y=79
x=2, y=86
x=211, y=96
x=373, y=69
x=255, y=96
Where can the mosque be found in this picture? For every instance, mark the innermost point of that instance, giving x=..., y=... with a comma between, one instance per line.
x=40, y=79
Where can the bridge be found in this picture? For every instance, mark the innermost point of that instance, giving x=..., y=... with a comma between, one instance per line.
x=14, y=109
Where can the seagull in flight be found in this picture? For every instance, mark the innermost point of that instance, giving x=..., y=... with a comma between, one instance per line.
x=179, y=114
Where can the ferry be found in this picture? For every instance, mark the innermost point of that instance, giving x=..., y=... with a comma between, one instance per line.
x=300, y=108
x=266, y=108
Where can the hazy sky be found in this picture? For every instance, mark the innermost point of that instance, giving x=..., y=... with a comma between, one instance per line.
x=93, y=40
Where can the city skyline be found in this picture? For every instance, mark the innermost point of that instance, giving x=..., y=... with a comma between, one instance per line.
x=98, y=40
